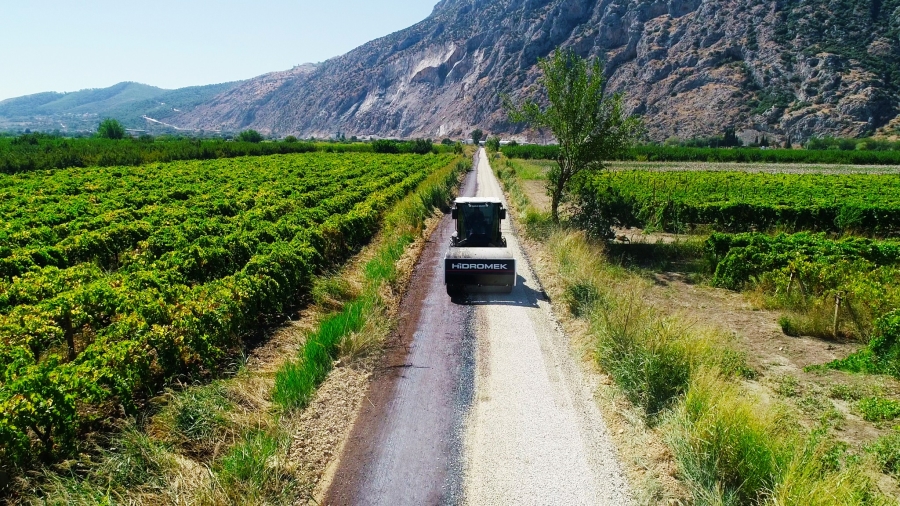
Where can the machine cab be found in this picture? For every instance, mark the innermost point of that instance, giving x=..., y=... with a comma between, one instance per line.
x=478, y=222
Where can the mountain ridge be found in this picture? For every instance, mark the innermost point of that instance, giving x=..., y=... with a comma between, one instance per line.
x=788, y=69
x=690, y=67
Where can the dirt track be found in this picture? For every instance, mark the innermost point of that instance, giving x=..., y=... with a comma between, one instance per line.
x=478, y=403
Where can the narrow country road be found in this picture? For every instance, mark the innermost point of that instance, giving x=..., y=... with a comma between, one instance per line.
x=478, y=403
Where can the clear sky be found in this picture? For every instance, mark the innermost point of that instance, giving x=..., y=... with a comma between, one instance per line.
x=66, y=45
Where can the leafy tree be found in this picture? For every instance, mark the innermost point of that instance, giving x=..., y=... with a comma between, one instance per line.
x=730, y=138
x=111, y=129
x=477, y=135
x=385, y=146
x=290, y=139
x=421, y=146
x=589, y=124
x=250, y=136
x=492, y=144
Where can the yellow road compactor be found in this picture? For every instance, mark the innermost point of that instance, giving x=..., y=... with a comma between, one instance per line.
x=478, y=259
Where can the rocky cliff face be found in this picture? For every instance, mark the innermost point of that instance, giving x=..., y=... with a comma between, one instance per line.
x=793, y=68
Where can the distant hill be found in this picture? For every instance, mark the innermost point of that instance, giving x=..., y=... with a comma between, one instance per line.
x=691, y=67
x=82, y=110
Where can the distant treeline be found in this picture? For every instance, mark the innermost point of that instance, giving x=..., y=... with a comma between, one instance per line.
x=746, y=155
x=37, y=151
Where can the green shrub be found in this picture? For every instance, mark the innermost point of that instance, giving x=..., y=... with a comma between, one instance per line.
x=788, y=326
x=111, y=129
x=655, y=153
x=878, y=409
x=581, y=298
x=250, y=136
x=882, y=355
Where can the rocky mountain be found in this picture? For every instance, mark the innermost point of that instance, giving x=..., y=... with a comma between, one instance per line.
x=131, y=103
x=783, y=68
x=793, y=68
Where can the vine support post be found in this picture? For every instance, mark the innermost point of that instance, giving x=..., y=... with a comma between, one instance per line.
x=837, y=311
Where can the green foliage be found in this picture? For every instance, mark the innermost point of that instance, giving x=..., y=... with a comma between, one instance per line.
x=41, y=152
x=740, y=258
x=882, y=354
x=154, y=272
x=590, y=125
x=111, y=129
x=742, y=201
x=654, y=153
x=789, y=326
x=198, y=413
x=887, y=453
x=385, y=146
x=492, y=144
x=723, y=445
x=477, y=135
x=878, y=409
x=249, y=466
x=296, y=381
x=418, y=146
x=731, y=452
x=251, y=136
x=646, y=356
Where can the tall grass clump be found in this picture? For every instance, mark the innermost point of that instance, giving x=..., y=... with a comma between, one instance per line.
x=256, y=469
x=723, y=442
x=296, y=381
x=733, y=449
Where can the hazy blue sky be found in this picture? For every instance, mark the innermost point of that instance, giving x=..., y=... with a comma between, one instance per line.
x=65, y=45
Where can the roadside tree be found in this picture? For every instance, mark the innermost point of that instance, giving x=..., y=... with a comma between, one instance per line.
x=477, y=135
x=590, y=125
x=250, y=136
x=111, y=129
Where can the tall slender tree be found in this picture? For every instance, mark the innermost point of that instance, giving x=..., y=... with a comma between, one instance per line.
x=590, y=125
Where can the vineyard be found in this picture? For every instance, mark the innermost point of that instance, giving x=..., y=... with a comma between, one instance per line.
x=38, y=151
x=650, y=153
x=113, y=281
x=740, y=201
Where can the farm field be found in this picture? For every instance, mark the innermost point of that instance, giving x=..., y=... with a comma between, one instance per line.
x=651, y=153
x=812, y=314
x=740, y=201
x=37, y=151
x=115, y=280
